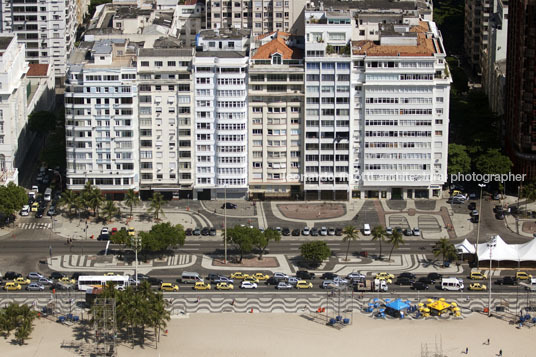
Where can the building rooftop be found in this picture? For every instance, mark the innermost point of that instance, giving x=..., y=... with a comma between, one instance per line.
x=369, y=5
x=37, y=70
x=222, y=54
x=230, y=34
x=130, y=12
x=426, y=45
x=164, y=52
x=279, y=45
x=4, y=42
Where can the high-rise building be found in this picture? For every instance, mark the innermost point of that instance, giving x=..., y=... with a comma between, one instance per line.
x=259, y=16
x=221, y=108
x=520, y=114
x=276, y=116
x=476, y=34
x=47, y=28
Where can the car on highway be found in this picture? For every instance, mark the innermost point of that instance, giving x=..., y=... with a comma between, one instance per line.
x=314, y=232
x=408, y=275
x=201, y=285
x=229, y=205
x=331, y=231
x=153, y=281
x=507, y=280
x=476, y=275
x=306, y=231
x=477, y=287
x=40, y=212
x=11, y=286
x=292, y=280
x=419, y=285
x=196, y=231
x=278, y=275
x=11, y=275
x=388, y=230
x=224, y=286
x=416, y=232
x=35, y=287
x=355, y=276
x=56, y=275
x=261, y=276
x=66, y=280
x=35, y=206
x=272, y=281
x=212, y=277
x=340, y=281
x=239, y=275
x=296, y=232
x=283, y=286
x=425, y=280
x=338, y=232
x=384, y=276
x=223, y=279
x=169, y=287
x=34, y=275
x=45, y=281
x=328, y=276
x=302, y=284
x=366, y=229
x=435, y=277
x=22, y=281
x=248, y=285
x=404, y=281
x=285, y=231
x=251, y=279
x=131, y=231
x=305, y=275
x=521, y=275
x=327, y=284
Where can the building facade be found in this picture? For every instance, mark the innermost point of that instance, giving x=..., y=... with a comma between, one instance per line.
x=521, y=86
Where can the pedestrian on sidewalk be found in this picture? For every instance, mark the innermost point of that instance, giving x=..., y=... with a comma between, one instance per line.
x=488, y=341
x=466, y=350
x=500, y=353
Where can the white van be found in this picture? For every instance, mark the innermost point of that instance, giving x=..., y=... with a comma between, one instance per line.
x=452, y=284
x=190, y=277
x=48, y=194
x=531, y=285
x=366, y=229
x=25, y=211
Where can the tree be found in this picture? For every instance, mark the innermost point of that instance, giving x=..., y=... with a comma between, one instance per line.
x=378, y=233
x=94, y=199
x=157, y=201
x=459, y=159
x=19, y=318
x=69, y=199
x=109, y=209
x=261, y=240
x=315, y=252
x=12, y=198
x=120, y=237
x=493, y=162
x=242, y=238
x=131, y=200
x=395, y=239
x=161, y=237
x=446, y=249
x=350, y=233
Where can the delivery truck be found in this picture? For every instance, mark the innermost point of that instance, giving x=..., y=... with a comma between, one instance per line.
x=371, y=285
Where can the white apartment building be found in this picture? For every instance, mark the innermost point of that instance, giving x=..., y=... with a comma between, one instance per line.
x=276, y=117
x=188, y=20
x=260, y=16
x=221, y=108
x=23, y=89
x=47, y=28
x=101, y=118
x=328, y=105
x=165, y=120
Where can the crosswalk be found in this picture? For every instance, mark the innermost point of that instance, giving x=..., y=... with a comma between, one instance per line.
x=33, y=225
x=179, y=259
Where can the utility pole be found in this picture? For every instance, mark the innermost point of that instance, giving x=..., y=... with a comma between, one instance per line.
x=491, y=244
x=481, y=185
x=225, y=223
x=136, y=241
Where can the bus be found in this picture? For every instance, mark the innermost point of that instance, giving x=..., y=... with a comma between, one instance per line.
x=88, y=282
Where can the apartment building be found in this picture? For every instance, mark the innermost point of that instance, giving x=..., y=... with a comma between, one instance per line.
x=188, y=20
x=47, y=28
x=221, y=107
x=377, y=99
x=521, y=87
x=165, y=112
x=276, y=116
x=260, y=16
x=23, y=89
x=476, y=31
x=101, y=118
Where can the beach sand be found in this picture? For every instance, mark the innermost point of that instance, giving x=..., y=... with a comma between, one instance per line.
x=275, y=334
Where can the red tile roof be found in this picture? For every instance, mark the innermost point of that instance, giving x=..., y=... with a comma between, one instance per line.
x=277, y=45
x=37, y=70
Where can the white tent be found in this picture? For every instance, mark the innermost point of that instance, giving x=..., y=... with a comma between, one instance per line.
x=465, y=247
x=499, y=250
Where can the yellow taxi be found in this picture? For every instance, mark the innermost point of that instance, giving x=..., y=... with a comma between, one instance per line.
x=224, y=286
x=200, y=285
x=385, y=276
x=476, y=275
x=252, y=279
x=66, y=280
x=22, y=281
x=169, y=287
x=111, y=274
x=302, y=284
x=239, y=275
x=11, y=286
x=35, y=206
x=131, y=231
x=521, y=275
x=261, y=276
x=477, y=287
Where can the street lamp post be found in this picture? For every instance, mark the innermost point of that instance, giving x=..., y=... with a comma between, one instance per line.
x=135, y=239
x=481, y=185
x=491, y=244
x=225, y=223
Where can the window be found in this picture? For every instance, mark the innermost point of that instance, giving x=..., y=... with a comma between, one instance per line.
x=276, y=58
x=158, y=63
x=145, y=63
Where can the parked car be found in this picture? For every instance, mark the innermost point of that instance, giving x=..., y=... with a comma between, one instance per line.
x=104, y=230
x=306, y=231
x=25, y=211
x=455, y=201
x=323, y=231
x=229, y=205
x=338, y=232
x=314, y=232
x=285, y=231
x=205, y=231
x=283, y=286
x=498, y=209
x=496, y=196
x=295, y=232
x=474, y=212
x=331, y=231
x=408, y=232
x=188, y=232
x=40, y=212
x=499, y=215
x=212, y=232
x=51, y=211
x=388, y=230
x=416, y=232
x=196, y=231
x=305, y=275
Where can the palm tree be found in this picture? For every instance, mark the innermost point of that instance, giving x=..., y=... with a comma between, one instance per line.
x=395, y=239
x=131, y=200
x=378, y=233
x=157, y=201
x=350, y=233
x=446, y=249
x=94, y=200
x=109, y=209
x=69, y=199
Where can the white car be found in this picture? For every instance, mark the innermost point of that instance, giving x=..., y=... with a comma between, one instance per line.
x=25, y=211
x=460, y=197
x=388, y=230
x=283, y=286
x=323, y=231
x=248, y=285
x=306, y=231
x=104, y=230
x=416, y=231
x=293, y=280
x=340, y=281
x=331, y=231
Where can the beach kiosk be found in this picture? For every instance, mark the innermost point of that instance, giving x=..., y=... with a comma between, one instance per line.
x=397, y=308
x=438, y=307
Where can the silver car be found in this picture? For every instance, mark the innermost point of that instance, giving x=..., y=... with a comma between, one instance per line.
x=283, y=286
x=35, y=287
x=45, y=281
x=34, y=276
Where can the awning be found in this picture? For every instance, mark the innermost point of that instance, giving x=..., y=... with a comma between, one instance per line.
x=465, y=247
